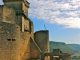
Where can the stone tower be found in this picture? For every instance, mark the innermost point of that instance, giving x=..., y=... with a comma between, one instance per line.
x=17, y=38
x=16, y=29
x=21, y=7
x=42, y=40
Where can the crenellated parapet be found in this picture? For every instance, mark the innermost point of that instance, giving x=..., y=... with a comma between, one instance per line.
x=17, y=38
x=26, y=2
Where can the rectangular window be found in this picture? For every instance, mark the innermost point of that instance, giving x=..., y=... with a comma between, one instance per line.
x=13, y=40
x=9, y=39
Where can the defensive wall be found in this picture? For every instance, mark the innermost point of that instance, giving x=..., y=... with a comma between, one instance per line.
x=17, y=38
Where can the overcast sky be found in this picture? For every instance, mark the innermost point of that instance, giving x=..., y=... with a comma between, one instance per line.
x=61, y=18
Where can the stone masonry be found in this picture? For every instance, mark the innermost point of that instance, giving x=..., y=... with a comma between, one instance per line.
x=17, y=38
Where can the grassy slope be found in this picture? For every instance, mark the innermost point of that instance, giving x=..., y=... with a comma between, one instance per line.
x=75, y=46
x=64, y=47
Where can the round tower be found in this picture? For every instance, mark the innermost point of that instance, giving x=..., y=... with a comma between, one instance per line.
x=41, y=40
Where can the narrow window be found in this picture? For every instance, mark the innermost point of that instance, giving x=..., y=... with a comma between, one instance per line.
x=13, y=40
x=9, y=39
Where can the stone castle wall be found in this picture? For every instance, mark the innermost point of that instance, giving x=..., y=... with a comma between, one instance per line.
x=9, y=15
x=17, y=39
x=16, y=5
x=9, y=41
x=26, y=36
x=25, y=45
x=15, y=42
x=25, y=9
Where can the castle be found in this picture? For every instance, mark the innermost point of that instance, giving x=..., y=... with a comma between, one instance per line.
x=17, y=38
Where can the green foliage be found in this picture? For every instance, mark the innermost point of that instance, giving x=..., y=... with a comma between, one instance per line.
x=63, y=47
x=75, y=46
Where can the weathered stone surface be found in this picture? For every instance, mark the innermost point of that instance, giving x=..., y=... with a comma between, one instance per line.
x=42, y=39
x=17, y=38
x=17, y=33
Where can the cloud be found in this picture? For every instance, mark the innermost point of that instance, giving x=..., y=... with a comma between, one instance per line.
x=69, y=22
x=59, y=12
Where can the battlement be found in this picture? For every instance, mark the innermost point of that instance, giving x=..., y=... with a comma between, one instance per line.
x=17, y=38
x=42, y=31
x=12, y=0
x=26, y=2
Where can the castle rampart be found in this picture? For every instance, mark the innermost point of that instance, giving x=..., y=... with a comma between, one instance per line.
x=17, y=38
x=9, y=41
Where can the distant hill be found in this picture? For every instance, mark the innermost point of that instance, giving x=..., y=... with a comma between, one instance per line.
x=66, y=48
x=75, y=46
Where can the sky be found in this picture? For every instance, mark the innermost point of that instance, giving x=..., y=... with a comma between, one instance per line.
x=60, y=17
